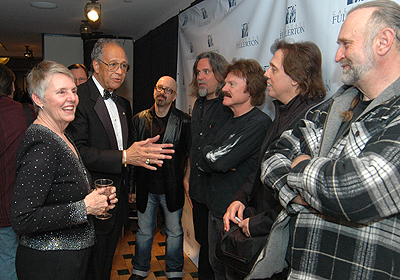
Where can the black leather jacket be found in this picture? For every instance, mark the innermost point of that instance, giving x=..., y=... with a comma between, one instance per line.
x=177, y=132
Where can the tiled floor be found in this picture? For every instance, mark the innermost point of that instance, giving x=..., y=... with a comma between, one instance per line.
x=126, y=248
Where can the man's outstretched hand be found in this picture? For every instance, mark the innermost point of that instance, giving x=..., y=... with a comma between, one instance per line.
x=146, y=153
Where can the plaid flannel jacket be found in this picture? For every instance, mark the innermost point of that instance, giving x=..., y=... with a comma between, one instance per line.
x=352, y=184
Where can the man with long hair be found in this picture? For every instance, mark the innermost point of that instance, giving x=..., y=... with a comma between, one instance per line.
x=208, y=116
x=295, y=82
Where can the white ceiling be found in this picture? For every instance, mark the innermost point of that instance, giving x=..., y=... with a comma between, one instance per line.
x=21, y=24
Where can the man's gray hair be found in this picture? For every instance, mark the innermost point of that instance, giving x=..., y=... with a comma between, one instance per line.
x=97, y=52
x=386, y=15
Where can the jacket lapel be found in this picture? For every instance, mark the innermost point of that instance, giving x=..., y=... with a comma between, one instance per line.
x=341, y=103
x=102, y=112
x=171, y=128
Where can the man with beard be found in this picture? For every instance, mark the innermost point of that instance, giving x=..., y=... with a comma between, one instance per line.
x=337, y=172
x=165, y=185
x=208, y=117
x=295, y=81
x=235, y=148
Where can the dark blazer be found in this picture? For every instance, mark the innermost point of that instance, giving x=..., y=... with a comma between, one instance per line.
x=94, y=136
x=177, y=132
x=259, y=199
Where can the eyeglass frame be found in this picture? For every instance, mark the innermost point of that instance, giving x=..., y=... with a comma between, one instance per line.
x=164, y=89
x=119, y=66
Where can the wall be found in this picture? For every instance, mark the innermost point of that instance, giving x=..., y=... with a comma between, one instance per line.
x=247, y=29
x=64, y=49
x=155, y=56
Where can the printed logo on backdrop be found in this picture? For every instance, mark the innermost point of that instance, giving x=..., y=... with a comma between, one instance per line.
x=204, y=14
x=192, y=54
x=232, y=6
x=245, y=29
x=210, y=43
x=246, y=40
x=185, y=20
x=339, y=16
x=327, y=85
x=293, y=27
x=184, y=24
x=349, y=2
x=291, y=14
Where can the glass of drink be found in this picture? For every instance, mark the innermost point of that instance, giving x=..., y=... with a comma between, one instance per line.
x=104, y=184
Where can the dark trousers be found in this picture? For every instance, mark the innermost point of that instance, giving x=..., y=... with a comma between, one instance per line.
x=200, y=222
x=101, y=259
x=33, y=264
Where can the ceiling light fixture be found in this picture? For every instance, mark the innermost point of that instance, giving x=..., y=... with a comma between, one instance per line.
x=44, y=5
x=28, y=53
x=93, y=10
x=84, y=28
x=4, y=60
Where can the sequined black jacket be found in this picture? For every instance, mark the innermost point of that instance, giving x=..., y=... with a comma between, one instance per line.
x=47, y=208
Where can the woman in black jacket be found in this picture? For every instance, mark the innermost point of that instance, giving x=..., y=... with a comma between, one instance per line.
x=52, y=198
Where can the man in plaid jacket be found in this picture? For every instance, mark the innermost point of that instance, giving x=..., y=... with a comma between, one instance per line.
x=337, y=173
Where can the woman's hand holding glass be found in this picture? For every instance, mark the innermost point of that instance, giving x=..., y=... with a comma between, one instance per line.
x=97, y=203
x=112, y=198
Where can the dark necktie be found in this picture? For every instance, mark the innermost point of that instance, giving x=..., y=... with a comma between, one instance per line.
x=112, y=95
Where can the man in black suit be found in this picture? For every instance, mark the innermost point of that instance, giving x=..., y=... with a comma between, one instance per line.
x=102, y=131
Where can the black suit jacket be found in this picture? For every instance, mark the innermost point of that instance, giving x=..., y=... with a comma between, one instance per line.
x=94, y=136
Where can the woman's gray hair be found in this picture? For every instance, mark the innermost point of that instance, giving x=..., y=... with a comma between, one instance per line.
x=39, y=77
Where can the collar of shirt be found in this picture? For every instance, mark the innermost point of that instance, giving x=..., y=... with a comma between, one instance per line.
x=99, y=86
x=114, y=115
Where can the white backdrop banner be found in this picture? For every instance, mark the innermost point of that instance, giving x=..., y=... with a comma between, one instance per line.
x=247, y=29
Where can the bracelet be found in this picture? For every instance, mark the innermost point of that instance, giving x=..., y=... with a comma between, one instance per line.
x=124, y=157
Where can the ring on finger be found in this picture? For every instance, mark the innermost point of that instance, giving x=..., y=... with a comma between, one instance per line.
x=147, y=161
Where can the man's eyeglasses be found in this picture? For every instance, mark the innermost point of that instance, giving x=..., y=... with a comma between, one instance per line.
x=166, y=90
x=112, y=67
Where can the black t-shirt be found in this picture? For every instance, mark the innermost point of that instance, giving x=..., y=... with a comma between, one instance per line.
x=357, y=111
x=156, y=182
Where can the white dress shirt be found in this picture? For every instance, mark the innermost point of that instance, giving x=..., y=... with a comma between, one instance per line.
x=114, y=116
